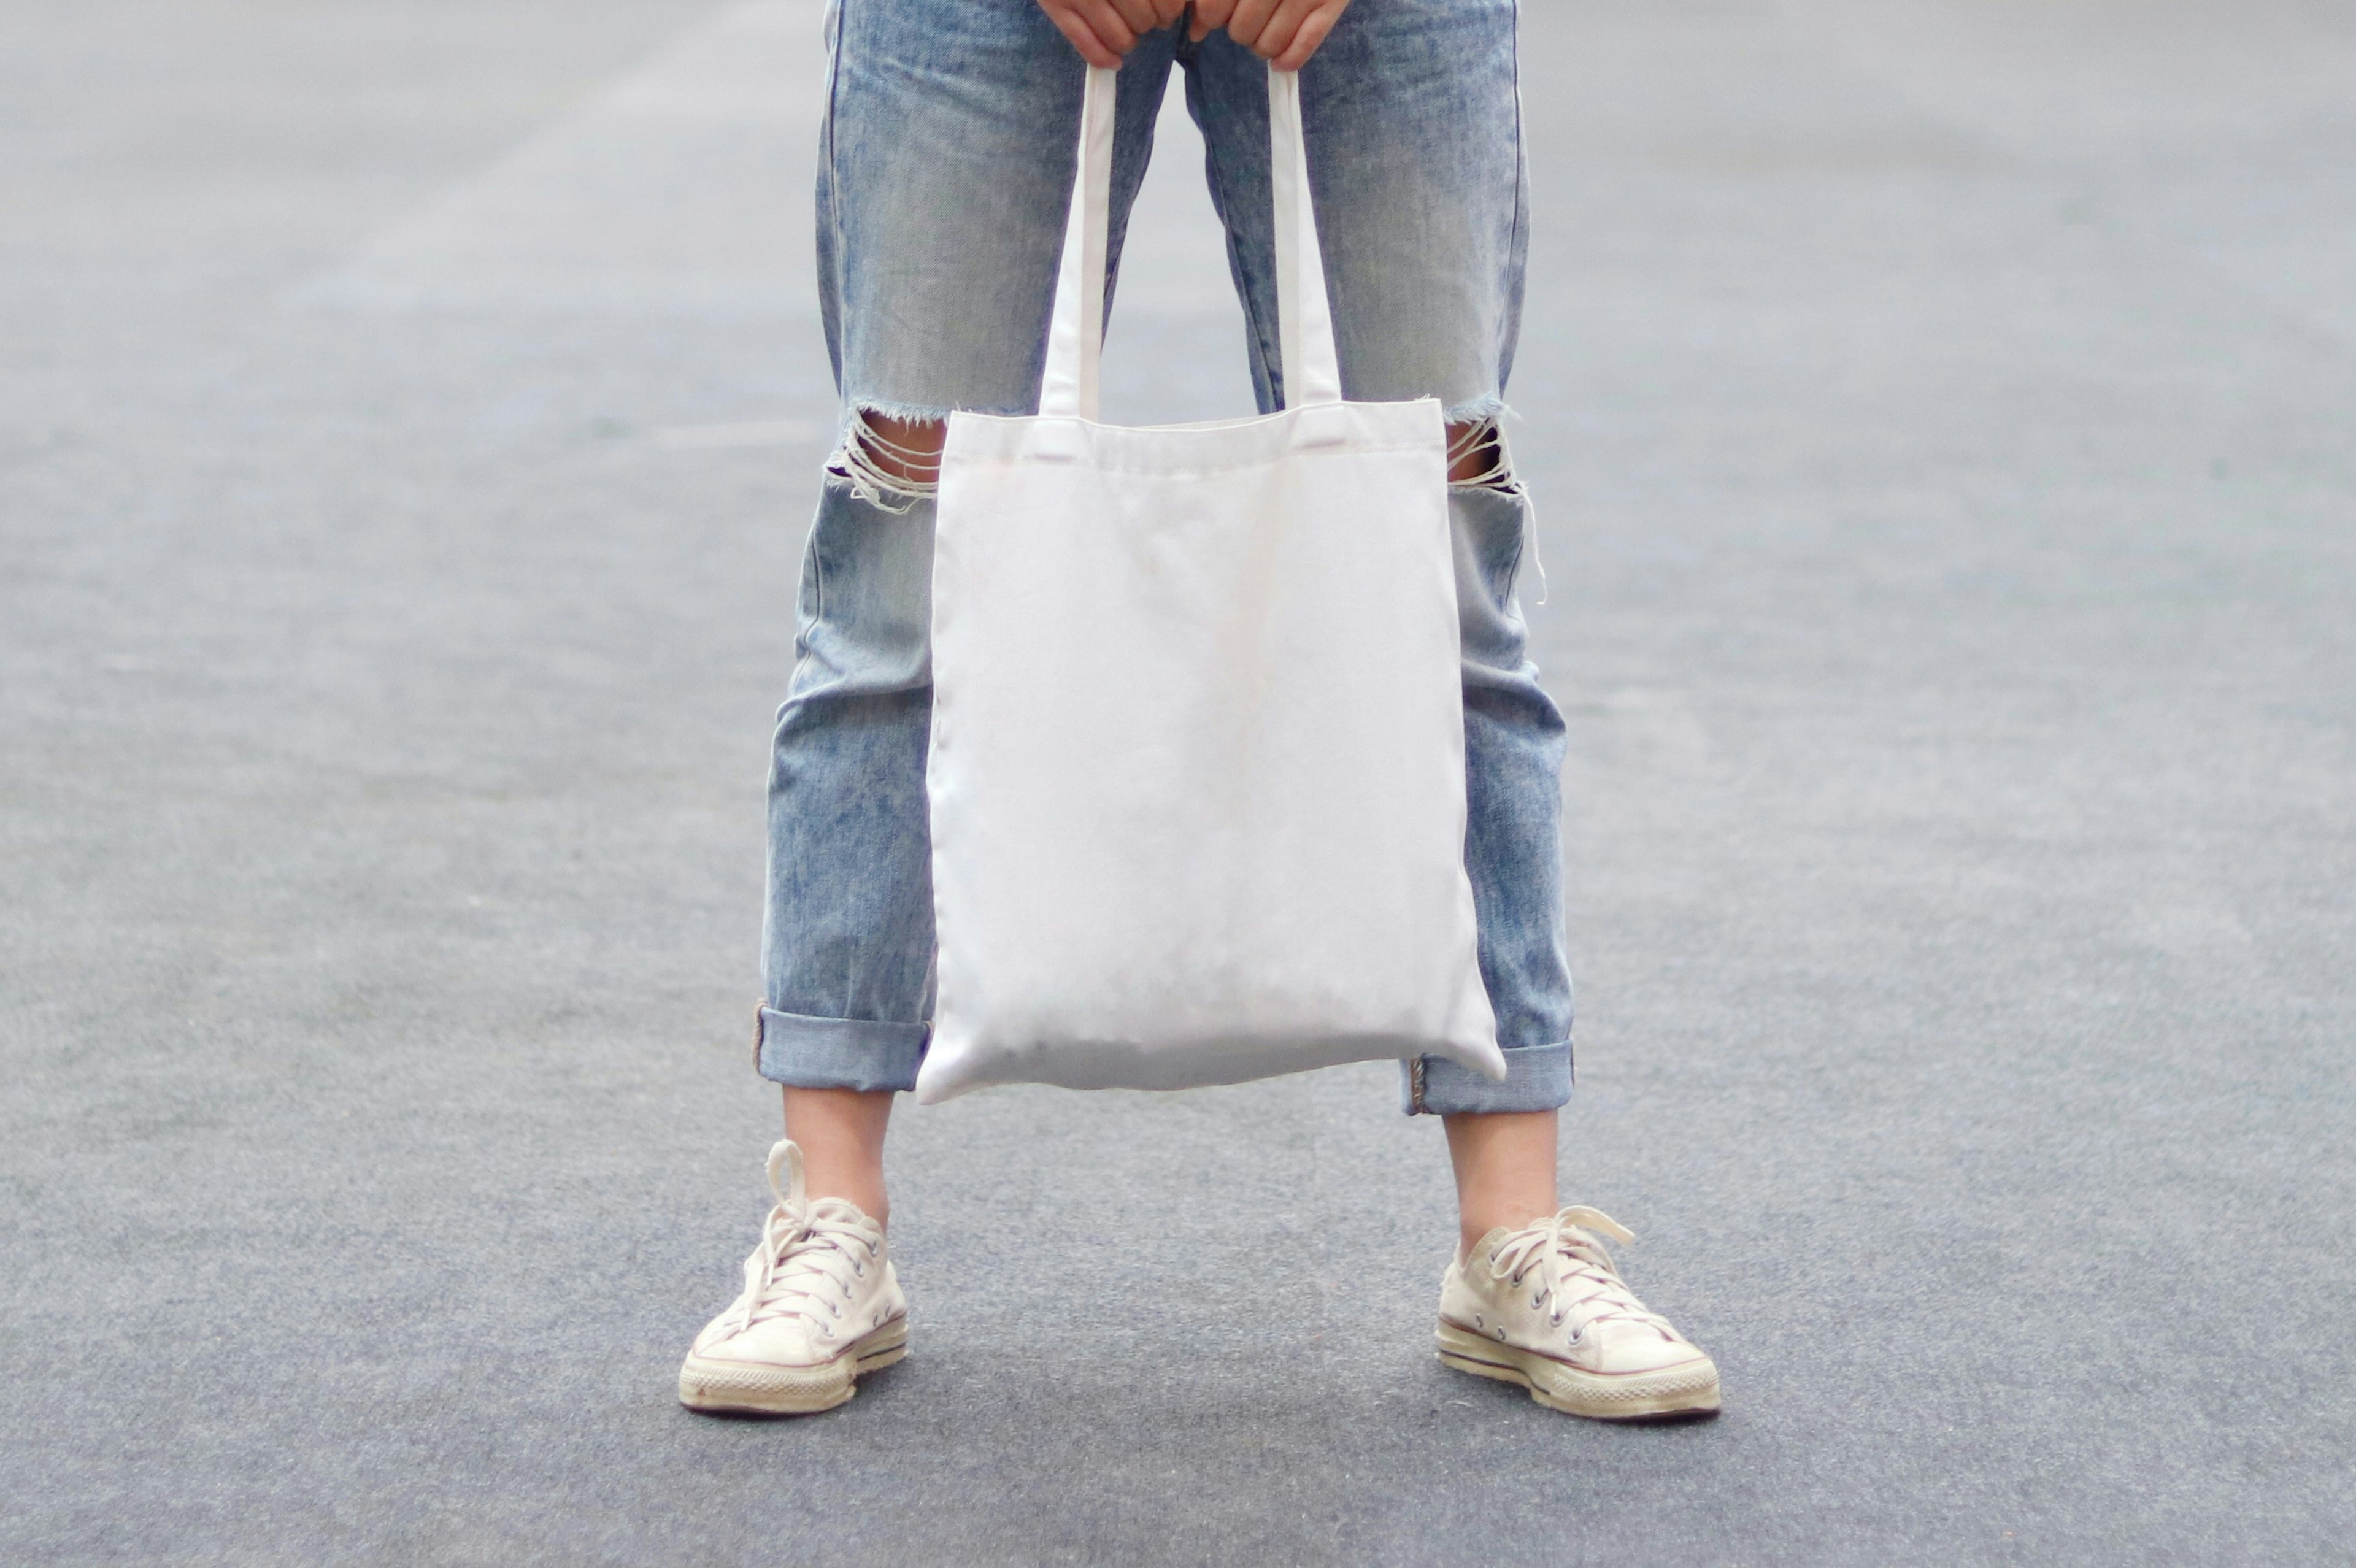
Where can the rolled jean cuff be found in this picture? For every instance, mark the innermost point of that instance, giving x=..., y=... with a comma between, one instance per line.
x=837, y=1053
x=1537, y=1078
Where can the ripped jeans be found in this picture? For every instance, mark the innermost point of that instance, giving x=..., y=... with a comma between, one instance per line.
x=945, y=171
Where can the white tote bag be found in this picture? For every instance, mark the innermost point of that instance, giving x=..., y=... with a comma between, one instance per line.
x=1197, y=757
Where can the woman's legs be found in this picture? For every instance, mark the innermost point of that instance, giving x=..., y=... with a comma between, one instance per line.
x=1413, y=123
x=1504, y=1161
x=940, y=223
x=937, y=299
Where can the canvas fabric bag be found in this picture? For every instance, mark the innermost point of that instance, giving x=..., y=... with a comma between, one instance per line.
x=1197, y=775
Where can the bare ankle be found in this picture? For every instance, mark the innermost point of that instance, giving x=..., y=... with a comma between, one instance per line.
x=840, y=1134
x=1504, y=1165
x=866, y=1195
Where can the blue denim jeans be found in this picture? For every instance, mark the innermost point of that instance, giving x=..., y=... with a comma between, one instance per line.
x=944, y=173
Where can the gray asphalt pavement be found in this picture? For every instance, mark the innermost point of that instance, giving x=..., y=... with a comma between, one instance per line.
x=1945, y=415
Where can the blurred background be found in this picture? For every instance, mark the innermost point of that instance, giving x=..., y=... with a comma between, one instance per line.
x=1943, y=413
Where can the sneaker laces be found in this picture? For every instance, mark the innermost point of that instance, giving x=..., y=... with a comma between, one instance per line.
x=810, y=1255
x=1577, y=1277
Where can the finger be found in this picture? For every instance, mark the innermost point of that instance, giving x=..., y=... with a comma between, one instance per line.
x=1250, y=18
x=1093, y=49
x=1137, y=16
x=1166, y=12
x=1276, y=39
x=1314, y=28
x=1283, y=24
x=1110, y=25
x=1210, y=16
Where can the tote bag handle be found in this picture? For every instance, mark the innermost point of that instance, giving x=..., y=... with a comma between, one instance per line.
x=1312, y=372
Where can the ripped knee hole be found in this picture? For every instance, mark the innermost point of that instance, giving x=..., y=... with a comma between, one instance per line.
x=890, y=461
x=1477, y=458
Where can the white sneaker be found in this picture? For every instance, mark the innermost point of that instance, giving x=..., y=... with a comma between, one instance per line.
x=1543, y=1306
x=820, y=1306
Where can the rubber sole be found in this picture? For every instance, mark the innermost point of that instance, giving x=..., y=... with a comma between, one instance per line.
x=749, y=1388
x=1688, y=1389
